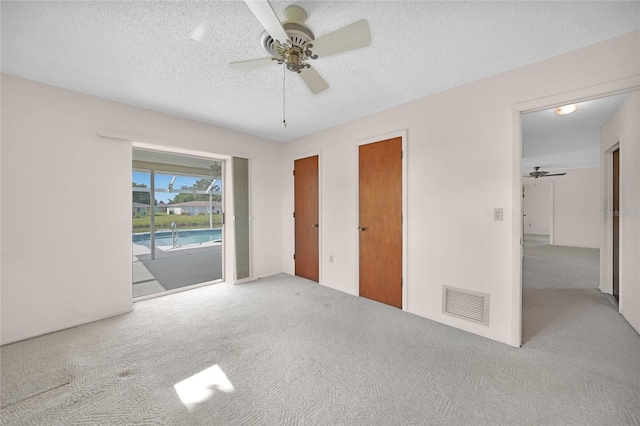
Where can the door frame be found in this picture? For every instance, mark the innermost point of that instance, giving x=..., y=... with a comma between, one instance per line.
x=552, y=184
x=552, y=202
x=616, y=87
x=293, y=206
x=405, y=220
x=185, y=152
x=606, y=250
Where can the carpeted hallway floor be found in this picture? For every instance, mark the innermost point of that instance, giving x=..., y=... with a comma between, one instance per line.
x=553, y=267
x=283, y=350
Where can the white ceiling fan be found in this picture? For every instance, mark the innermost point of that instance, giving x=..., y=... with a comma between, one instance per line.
x=292, y=43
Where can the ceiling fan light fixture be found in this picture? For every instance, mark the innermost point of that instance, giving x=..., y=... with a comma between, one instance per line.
x=292, y=59
x=566, y=109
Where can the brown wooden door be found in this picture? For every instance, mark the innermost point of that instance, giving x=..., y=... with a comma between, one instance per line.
x=616, y=223
x=380, y=221
x=307, y=227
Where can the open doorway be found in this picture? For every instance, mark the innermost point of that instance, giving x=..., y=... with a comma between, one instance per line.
x=537, y=210
x=562, y=187
x=177, y=222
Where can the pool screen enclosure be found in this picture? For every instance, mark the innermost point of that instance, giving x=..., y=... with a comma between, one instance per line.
x=177, y=224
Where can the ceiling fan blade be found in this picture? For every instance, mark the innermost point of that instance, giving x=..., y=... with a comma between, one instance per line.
x=351, y=37
x=312, y=79
x=267, y=17
x=554, y=174
x=251, y=64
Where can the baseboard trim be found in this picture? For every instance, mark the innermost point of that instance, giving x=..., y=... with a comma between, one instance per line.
x=249, y=279
x=613, y=301
x=67, y=327
x=460, y=325
x=629, y=322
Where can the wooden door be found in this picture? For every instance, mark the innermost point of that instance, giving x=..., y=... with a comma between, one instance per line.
x=616, y=223
x=307, y=226
x=380, y=221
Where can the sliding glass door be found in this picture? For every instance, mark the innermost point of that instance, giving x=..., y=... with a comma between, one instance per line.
x=177, y=233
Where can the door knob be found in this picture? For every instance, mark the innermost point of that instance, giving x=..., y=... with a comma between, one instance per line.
x=361, y=228
x=315, y=225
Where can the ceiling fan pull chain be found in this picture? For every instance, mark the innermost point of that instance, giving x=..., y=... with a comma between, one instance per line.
x=284, y=107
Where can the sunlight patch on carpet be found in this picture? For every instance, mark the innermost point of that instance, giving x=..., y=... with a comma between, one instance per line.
x=202, y=386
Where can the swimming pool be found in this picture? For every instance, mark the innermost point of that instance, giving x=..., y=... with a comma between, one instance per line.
x=185, y=237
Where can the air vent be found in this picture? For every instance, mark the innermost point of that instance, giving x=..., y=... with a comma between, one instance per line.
x=468, y=305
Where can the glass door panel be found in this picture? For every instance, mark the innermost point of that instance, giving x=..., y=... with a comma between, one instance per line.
x=141, y=223
x=184, y=233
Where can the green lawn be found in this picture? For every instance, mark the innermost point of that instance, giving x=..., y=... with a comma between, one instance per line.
x=163, y=221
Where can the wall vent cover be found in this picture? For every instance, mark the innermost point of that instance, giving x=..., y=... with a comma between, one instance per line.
x=465, y=304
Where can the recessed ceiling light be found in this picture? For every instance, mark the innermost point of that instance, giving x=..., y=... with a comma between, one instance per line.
x=566, y=109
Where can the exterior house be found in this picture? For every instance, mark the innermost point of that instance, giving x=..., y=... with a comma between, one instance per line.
x=140, y=209
x=143, y=209
x=194, y=207
x=161, y=207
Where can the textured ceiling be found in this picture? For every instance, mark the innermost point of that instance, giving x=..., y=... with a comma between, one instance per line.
x=173, y=56
x=571, y=141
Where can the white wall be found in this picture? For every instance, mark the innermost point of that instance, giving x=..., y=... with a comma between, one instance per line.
x=538, y=207
x=462, y=162
x=568, y=207
x=62, y=267
x=622, y=128
x=577, y=212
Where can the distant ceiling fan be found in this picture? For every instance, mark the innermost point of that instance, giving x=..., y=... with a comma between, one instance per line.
x=537, y=173
x=293, y=44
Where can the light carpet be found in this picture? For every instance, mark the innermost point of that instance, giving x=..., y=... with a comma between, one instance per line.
x=548, y=267
x=289, y=351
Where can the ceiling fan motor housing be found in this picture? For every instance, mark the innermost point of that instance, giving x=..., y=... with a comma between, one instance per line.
x=295, y=54
x=299, y=36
